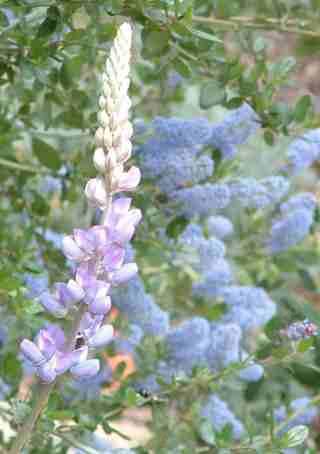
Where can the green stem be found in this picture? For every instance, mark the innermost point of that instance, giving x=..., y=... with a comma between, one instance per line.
x=21, y=167
x=25, y=432
x=237, y=23
x=73, y=442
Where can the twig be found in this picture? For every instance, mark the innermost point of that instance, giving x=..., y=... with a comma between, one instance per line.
x=21, y=167
x=237, y=23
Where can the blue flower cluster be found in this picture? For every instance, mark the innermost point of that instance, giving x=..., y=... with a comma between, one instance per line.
x=89, y=388
x=257, y=194
x=304, y=418
x=304, y=151
x=217, y=412
x=202, y=200
x=293, y=224
x=220, y=227
x=140, y=308
x=234, y=130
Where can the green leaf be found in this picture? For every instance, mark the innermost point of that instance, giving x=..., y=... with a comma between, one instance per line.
x=204, y=35
x=182, y=67
x=302, y=108
x=305, y=345
x=176, y=226
x=156, y=43
x=207, y=434
x=46, y=154
x=294, y=437
x=49, y=25
x=268, y=137
x=211, y=94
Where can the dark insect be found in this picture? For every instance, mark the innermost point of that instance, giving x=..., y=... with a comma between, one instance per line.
x=80, y=341
x=144, y=393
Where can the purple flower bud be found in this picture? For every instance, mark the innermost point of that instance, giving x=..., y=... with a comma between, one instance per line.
x=102, y=337
x=52, y=305
x=71, y=250
x=114, y=257
x=86, y=369
x=128, y=181
x=47, y=371
x=31, y=352
x=101, y=304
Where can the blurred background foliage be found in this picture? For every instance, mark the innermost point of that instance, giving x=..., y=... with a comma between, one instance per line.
x=190, y=58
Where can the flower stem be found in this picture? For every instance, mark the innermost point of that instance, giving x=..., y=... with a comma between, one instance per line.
x=24, y=434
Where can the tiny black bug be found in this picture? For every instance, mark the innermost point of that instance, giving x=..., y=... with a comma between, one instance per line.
x=80, y=341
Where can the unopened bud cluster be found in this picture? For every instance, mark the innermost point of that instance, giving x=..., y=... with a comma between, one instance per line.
x=113, y=136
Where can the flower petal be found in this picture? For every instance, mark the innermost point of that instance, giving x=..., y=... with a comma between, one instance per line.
x=31, y=352
x=102, y=337
x=86, y=369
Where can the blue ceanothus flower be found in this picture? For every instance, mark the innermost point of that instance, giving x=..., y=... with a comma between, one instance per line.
x=207, y=250
x=249, y=307
x=305, y=418
x=304, y=151
x=187, y=344
x=217, y=412
x=219, y=226
x=234, y=130
x=224, y=345
x=257, y=194
x=129, y=343
x=140, y=308
x=219, y=274
x=179, y=133
x=303, y=200
x=294, y=223
x=174, y=168
x=202, y=199
x=90, y=388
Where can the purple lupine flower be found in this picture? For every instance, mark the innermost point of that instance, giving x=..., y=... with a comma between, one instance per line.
x=63, y=299
x=46, y=354
x=95, y=333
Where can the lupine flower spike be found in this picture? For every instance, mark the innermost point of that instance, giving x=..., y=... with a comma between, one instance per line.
x=98, y=253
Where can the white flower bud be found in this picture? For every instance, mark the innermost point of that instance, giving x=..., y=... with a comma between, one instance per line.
x=99, y=160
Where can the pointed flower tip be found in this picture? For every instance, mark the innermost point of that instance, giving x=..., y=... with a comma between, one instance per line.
x=102, y=337
x=86, y=369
